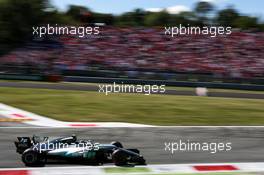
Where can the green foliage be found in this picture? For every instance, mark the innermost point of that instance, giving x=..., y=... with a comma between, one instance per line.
x=125, y=20
x=203, y=7
x=202, y=11
x=261, y=26
x=107, y=19
x=135, y=18
x=157, y=19
x=246, y=22
x=17, y=17
x=76, y=11
x=227, y=17
x=79, y=14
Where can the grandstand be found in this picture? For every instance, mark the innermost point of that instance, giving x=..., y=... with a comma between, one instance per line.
x=131, y=51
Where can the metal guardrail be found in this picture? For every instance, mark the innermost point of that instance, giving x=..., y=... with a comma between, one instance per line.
x=102, y=72
x=166, y=82
x=220, y=85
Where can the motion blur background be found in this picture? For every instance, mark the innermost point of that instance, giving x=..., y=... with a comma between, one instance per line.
x=57, y=76
x=132, y=48
x=132, y=44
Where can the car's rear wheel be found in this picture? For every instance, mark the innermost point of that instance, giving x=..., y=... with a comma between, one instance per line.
x=119, y=158
x=32, y=158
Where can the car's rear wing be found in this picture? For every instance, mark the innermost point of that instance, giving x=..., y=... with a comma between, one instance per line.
x=24, y=143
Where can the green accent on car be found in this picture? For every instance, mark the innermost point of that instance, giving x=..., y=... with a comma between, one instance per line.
x=89, y=154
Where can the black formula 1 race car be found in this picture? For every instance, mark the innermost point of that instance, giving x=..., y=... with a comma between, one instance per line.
x=38, y=151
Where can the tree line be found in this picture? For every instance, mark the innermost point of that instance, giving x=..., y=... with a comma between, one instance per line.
x=17, y=17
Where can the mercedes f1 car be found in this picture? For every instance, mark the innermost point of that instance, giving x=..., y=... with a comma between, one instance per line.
x=38, y=151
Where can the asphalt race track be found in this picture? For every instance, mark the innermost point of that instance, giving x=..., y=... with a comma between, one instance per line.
x=89, y=87
x=247, y=143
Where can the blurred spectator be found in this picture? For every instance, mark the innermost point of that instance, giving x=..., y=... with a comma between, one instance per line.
x=239, y=55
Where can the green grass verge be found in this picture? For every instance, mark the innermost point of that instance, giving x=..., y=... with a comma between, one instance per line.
x=127, y=170
x=136, y=108
x=215, y=90
x=201, y=174
x=214, y=174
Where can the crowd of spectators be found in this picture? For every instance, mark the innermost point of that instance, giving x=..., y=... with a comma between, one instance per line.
x=239, y=55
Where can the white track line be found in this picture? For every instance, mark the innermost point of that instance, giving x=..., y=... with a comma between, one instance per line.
x=37, y=120
x=153, y=169
x=45, y=122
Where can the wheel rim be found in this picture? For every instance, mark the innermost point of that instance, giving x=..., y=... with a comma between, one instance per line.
x=29, y=158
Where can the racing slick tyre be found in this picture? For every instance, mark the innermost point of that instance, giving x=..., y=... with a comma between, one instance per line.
x=33, y=159
x=119, y=158
x=117, y=144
